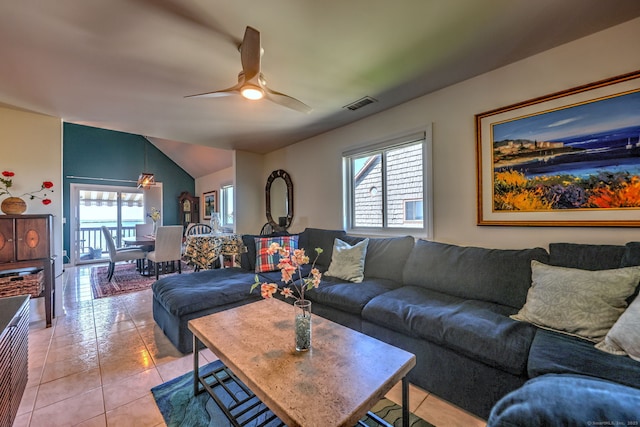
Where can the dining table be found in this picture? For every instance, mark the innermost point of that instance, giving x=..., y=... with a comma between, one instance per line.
x=203, y=250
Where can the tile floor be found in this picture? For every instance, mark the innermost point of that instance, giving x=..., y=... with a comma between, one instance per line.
x=97, y=363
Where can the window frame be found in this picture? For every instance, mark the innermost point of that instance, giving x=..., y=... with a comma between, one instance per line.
x=383, y=146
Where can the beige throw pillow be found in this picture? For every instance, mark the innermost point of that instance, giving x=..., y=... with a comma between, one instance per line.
x=624, y=336
x=347, y=262
x=577, y=302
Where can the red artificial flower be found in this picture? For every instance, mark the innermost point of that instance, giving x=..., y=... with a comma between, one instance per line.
x=8, y=174
x=46, y=201
x=47, y=184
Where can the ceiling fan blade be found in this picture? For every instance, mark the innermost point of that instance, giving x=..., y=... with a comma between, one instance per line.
x=234, y=90
x=286, y=101
x=190, y=15
x=250, y=53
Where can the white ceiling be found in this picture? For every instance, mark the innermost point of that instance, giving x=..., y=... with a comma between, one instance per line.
x=127, y=64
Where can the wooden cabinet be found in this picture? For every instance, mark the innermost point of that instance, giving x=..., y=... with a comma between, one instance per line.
x=14, y=324
x=188, y=208
x=26, y=244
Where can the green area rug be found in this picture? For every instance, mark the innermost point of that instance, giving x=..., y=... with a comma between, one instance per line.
x=179, y=407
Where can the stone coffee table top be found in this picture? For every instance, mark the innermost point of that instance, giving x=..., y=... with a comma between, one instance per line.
x=335, y=383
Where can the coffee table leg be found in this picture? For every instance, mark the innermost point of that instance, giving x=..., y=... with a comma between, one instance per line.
x=405, y=402
x=196, y=373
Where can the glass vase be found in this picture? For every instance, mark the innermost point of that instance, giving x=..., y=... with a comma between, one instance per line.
x=302, y=324
x=216, y=225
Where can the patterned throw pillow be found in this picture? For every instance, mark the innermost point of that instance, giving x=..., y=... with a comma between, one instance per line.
x=577, y=302
x=266, y=262
x=624, y=336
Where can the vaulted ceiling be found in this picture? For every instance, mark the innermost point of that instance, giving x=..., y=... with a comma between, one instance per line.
x=127, y=65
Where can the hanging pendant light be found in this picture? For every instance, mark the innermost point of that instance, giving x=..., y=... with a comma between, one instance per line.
x=146, y=179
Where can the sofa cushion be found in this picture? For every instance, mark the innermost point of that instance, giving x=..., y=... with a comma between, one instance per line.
x=347, y=261
x=312, y=238
x=478, y=329
x=502, y=276
x=567, y=400
x=348, y=296
x=586, y=257
x=187, y=293
x=555, y=353
x=584, y=303
x=386, y=257
x=269, y=262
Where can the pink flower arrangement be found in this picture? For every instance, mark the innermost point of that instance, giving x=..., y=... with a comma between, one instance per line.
x=289, y=265
x=6, y=182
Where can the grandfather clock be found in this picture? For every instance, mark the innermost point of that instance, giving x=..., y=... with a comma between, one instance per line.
x=188, y=208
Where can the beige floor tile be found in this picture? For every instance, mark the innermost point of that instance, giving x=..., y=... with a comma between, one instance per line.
x=130, y=389
x=28, y=400
x=73, y=365
x=70, y=411
x=118, y=369
x=99, y=421
x=416, y=396
x=66, y=387
x=139, y=413
x=441, y=413
x=22, y=420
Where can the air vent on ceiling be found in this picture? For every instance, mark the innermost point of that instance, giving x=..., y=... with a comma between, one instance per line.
x=360, y=103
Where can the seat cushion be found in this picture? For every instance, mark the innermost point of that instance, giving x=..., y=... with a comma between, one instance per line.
x=502, y=276
x=478, y=329
x=555, y=353
x=187, y=293
x=348, y=296
x=567, y=400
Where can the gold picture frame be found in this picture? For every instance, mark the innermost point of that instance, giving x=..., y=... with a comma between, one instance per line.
x=571, y=158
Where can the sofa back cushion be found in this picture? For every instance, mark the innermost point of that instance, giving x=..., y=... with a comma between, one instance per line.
x=502, y=276
x=386, y=257
x=312, y=238
x=586, y=257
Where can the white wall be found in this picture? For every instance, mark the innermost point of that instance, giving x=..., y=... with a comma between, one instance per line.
x=249, y=192
x=31, y=147
x=214, y=181
x=315, y=164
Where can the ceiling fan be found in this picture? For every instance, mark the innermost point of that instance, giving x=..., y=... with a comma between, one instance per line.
x=251, y=82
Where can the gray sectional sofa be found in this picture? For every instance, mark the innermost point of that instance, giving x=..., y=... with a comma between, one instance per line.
x=449, y=305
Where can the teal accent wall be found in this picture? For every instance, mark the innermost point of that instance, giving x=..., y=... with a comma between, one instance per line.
x=101, y=153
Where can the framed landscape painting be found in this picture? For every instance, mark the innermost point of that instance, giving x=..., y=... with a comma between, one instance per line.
x=210, y=203
x=571, y=158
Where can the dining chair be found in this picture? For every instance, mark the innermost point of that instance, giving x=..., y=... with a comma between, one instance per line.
x=120, y=254
x=198, y=228
x=168, y=248
x=144, y=229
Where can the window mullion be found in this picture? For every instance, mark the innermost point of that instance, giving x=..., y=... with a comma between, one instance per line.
x=384, y=189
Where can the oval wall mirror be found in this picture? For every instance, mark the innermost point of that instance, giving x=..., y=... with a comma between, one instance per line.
x=279, y=200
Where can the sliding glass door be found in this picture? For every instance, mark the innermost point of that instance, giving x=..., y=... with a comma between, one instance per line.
x=95, y=206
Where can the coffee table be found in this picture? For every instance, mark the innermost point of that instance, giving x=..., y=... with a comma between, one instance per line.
x=334, y=384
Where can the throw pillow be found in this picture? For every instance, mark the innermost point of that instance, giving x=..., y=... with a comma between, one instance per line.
x=347, y=262
x=266, y=262
x=577, y=302
x=624, y=336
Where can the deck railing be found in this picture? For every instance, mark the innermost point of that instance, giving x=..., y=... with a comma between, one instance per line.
x=92, y=238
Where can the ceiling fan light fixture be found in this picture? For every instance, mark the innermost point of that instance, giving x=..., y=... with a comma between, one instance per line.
x=252, y=92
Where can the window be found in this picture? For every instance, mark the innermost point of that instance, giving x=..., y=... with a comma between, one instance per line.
x=386, y=185
x=226, y=205
x=413, y=210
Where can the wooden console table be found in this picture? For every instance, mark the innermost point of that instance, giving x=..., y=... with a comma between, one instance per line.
x=26, y=245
